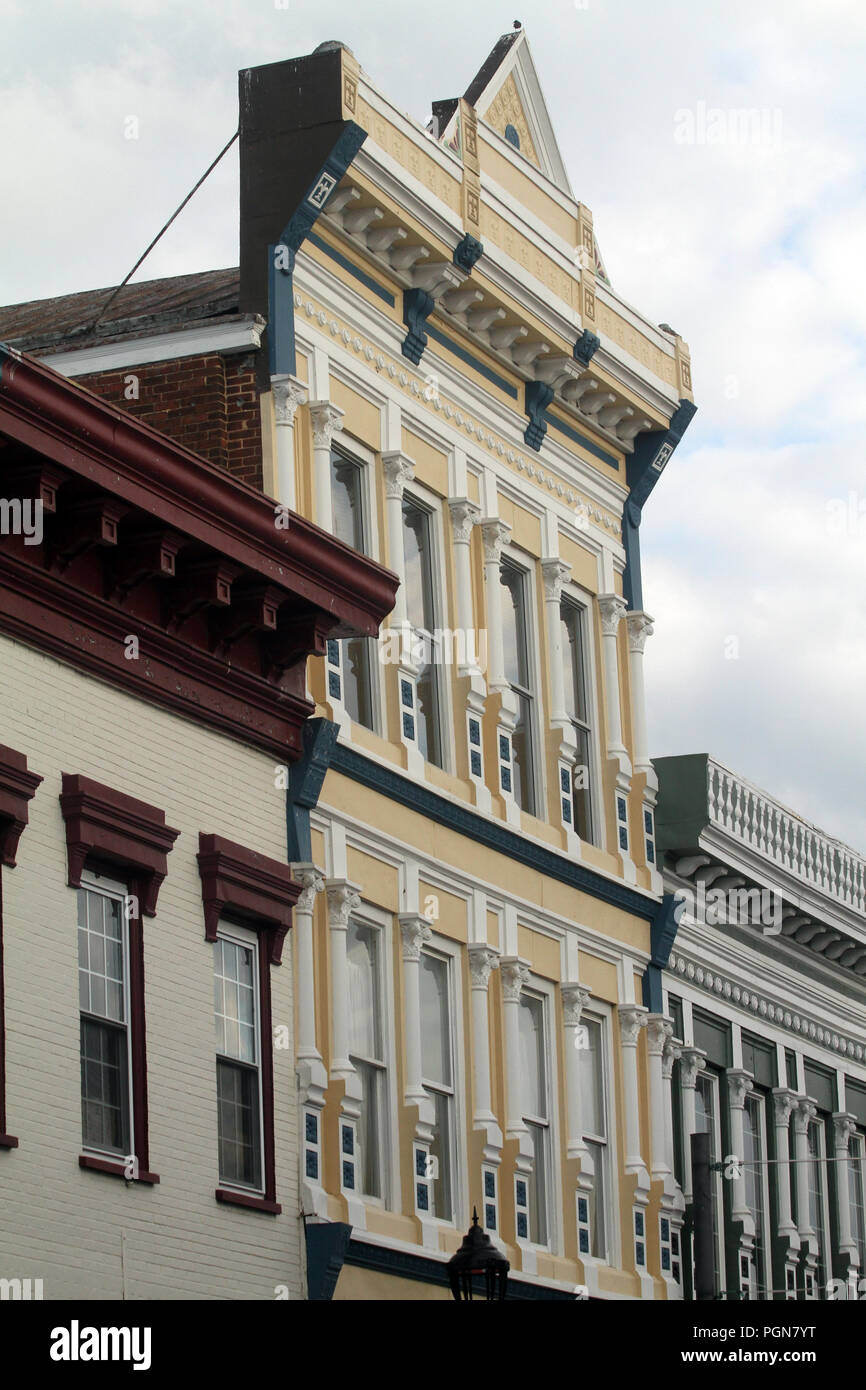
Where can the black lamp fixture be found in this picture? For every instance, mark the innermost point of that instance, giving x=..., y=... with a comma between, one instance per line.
x=478, y=1255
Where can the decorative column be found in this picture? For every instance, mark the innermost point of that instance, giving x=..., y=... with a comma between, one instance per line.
x=326, y=420
x=639, y=627
x=692, y=1061
x=289, y=393
x=784, y=1104
x=482, y=959
x=739, y=1085
x=464, y=516
x=670, y=1052
x=312, y=882
x=574, y=1000
x=310, y=1069
x=844, y=1126
x=612, y=607
x=514, y=972
x=658, y=1030
x=632, y=1017
x=343, y=899
x=494, y=534
x=415, y=930
x=398, y=470
x=555, y=573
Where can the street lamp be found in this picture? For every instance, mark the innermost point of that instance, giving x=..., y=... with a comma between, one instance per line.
x=478, y=1255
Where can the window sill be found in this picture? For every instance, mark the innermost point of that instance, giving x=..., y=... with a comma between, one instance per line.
x=117, y=1170
x=240, y=1199
x=8, y=1141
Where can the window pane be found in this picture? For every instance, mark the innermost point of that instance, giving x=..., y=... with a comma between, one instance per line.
x=104, y=1087
x=418, y=564
x=362, y=947
x=538, y=1185
x=521, y=747
x=369, y=1127
x=532, y=1064
x=441, y=1150
x=582, y=792
x=235, y=1012
x=435, y=1020
x=428, y=715
x=592, y=1080
x=597, y=1199
x=346, y=501
x=753, y=1173
x=514, y=625
x=100, y=955
x=855, y=1198
x=573, y=662
x=238, y=1124
x=357, y=693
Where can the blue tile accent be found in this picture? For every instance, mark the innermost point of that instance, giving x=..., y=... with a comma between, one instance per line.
x=475, y=763
x=475, y=733
x=582, y=1210
x=650, y=852
x=520, y=1192
x=504, y=749
x=490, y=1216
x=666, y=1258
x=348, y=1139
x=621, y=808
x=312, y=1164
x=349, y=1176
x=334, y=684
x=333, y=652
x=505, y=778
x=638, y=1223
x=583, y=1242
x=648, y=821
x=522, y=1226
x=420, y=1163
x=639, y=1254
x=675, y=1242
x=489, y=1185
x=665, y=1228
x=566, y=810
x=408, y=726
x=564, y=779
x=353, y=269
x=471, y=360
x=311, y=1129
x=423, y=1202
x=623, y=837
x=406, y=693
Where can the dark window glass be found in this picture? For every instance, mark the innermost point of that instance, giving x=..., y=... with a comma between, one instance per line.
x=516, y=663
x=421, y=613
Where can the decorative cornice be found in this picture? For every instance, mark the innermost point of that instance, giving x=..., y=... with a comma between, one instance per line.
x=482, y=960
x=106, y=824
x=398, y=470
x=555, y=573
x=17, y=788
x=465, y=514
x=611, y=607
x=415, y=931
x=575, y=998
x=326, y=419
x=640, y=627
x=494, y=534
x=257, y=889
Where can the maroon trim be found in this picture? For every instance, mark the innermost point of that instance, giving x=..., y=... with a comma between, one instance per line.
x=249, y=885
x=17, y=788
x=238, y=1199
x=261, y=893
x=116, y=1170
x=104, y=824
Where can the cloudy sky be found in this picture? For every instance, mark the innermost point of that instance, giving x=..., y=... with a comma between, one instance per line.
x=753, y=249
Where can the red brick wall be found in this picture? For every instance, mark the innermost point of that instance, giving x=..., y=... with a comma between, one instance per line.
x=208, y=403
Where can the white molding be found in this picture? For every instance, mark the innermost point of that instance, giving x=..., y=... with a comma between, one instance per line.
x=162, y=347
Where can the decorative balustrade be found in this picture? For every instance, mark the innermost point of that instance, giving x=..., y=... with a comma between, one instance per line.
x=755, y=819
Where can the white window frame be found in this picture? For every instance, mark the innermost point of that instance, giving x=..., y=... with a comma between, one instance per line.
x=427, y=501
x=763, y=1277
x=857, y=1165
x=115, y=889
x=580, y=599
x=598, y=1012
x=451, y=952
x=367, y=916
x=521, y=560
x=544, y=991
x=823, y=1238
x=711, y=1079
x=242, y=936
x=365, y=460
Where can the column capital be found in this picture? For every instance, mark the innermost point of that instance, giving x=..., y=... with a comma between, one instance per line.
x=658, y=1029
x=514, y=972
x=844, y=1125
x=399, y=470
x=343, y=899
x=670, y=1052
x=555, y=572
x=612, y=607
x=784, y=1103
x=575, y=998
x=289, y=393
x=739, y=1085
x=464, y=515
x=326, y=419
x=632, y=1017
x=312, y=881
x=804, y=1111
x=494, y=534
x=482, y=960
x=415, y=930
x=640, y=627
x=692, y=1060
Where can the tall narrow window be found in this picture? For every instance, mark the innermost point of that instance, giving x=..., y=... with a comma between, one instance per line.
x=421, y=612
x=818, y=1196
x=575, y=672
x=103, y=996
x=515, y=641
x=595, y=1131
x=438, y=1075
x=350, y=660
x=367, y=1052
x=856, y=1202
x=754, y=1158
x=536, y=1111
x=238, y=1064
x=707, y=1122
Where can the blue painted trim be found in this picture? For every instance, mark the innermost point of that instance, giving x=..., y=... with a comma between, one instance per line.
x=663, y=932
x=585, y=443
x=327, y=1246
x=536, y=399
x=361, y=275
x=586, y=345
x=402, y=1264
x=643, y=470
x=487, y=372
x=418, y=305
x=492, y=834
x=467, y=252
x=305, y=783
